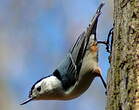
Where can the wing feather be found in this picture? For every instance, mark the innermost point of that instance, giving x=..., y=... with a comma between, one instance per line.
x=68, y=70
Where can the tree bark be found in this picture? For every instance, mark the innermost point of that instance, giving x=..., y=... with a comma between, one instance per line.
x=123, y=75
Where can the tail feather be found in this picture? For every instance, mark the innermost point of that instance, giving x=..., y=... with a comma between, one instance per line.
x=80, y=47
x=93, y=24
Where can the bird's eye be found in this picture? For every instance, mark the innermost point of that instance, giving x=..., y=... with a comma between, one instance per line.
x=39, y=88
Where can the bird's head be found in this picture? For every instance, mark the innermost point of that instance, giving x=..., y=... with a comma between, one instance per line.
x=44, y=89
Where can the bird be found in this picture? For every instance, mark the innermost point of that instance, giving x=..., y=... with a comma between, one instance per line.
x=75, y=73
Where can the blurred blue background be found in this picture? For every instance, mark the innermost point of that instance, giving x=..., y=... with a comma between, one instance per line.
x=34, y=36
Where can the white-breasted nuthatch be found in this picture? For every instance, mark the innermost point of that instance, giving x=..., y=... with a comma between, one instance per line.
x=75, y=73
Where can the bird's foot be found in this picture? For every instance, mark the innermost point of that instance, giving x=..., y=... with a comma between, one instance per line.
x=108, y=42
x=97, y=71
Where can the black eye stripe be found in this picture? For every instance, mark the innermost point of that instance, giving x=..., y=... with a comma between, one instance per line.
x=30, y=93
x=39, y=88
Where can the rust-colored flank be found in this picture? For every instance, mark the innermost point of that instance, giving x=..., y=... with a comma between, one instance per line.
x=94, y=47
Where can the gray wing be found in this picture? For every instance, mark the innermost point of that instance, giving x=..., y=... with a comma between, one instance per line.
x=68, y=70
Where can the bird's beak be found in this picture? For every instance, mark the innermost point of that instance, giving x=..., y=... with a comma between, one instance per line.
x=26, y=101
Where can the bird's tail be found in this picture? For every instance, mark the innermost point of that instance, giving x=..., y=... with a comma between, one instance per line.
x=79, y=48
x=93, y=24
x=90, y=33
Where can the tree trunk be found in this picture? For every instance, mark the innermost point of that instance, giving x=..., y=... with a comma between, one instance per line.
x=123, y=75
